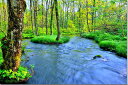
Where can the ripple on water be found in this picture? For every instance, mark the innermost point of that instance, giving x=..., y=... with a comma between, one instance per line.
x=73, y=63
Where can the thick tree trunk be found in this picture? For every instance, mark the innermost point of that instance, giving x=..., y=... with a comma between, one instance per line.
x=57, y=20
x=11, y=48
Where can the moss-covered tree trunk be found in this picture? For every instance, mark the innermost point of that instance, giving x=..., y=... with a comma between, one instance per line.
x=11, y=47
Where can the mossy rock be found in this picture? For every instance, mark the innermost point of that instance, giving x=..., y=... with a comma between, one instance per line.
x=97, y=56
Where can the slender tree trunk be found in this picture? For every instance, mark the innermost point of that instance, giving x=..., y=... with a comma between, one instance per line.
x=87, y=15
x=42, y=15
x=63, y=17
x=11, y=47
x=57, y=20
x=67, y=14
x=46, y=17
x=93, y=15
x=79, y=17
x=52, y=7
x=35, y=16
x=31, y=15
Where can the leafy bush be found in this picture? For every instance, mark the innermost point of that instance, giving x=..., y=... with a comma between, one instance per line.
x=121, y=49
x=50, y=39
x=9, y=76
x=108, y=45
x=88, y=35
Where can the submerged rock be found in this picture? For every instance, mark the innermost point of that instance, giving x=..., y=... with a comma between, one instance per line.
x=97, y=56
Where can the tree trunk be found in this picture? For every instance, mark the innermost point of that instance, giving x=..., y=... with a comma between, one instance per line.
x=31, y=15
x=93, y=15
x=52, y=7
x=80, y=31
x=67, y=15
x=57, y=20
x=11, y=47
x=87, y=15
x=46, y=17
x=35, y=16
x=42, y=15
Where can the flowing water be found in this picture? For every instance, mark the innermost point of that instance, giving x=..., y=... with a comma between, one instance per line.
x=73, y=63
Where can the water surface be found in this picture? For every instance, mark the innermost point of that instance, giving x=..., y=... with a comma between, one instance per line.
x=73, y=63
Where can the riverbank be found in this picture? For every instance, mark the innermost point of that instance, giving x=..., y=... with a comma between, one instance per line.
x=107, y=41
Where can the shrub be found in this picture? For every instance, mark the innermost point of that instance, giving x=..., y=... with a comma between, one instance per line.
x=88, y=35
x=50, y=39
x=121, y=49
x=8, y=76
x=108, y=45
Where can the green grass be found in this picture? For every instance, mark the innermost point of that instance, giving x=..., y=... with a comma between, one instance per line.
x=108, y=45
x=121, y=48
x=50, y=39
x=109, y=42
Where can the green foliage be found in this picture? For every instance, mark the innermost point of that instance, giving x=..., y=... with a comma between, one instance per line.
x=108, y=41
x=1, y=35
x=50, y=39
x=108, y=45
x=9, y=76
x=1, y=58
x=121, y=48
x=27, y=36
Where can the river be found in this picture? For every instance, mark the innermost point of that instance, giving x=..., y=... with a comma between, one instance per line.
x=73, y=63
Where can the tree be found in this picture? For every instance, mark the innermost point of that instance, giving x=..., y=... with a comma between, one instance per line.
x=42, y=14
x=57, y=20
x=11, y=47
x=35, y=15
x=47, y=6
x=52, y=7
x=87, y=15
x=31, y=1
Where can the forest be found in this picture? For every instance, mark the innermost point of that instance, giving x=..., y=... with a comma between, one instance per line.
x=63, y=41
